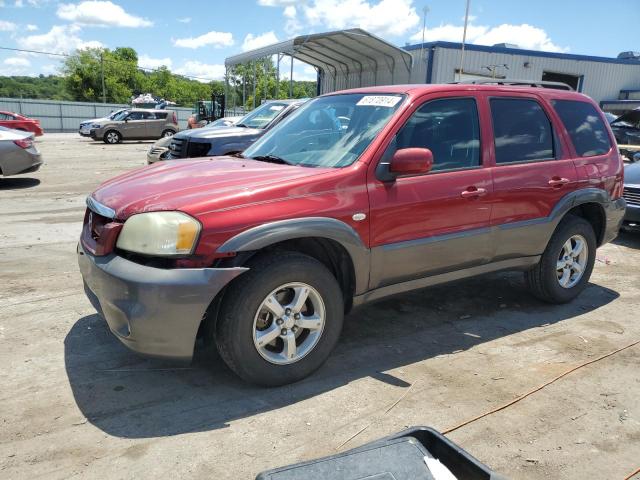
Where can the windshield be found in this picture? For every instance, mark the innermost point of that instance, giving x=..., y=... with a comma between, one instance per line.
x=262, y=116
x=120, y=115
x=330, y=131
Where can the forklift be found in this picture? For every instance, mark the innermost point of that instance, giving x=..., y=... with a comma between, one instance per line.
x=205, y=112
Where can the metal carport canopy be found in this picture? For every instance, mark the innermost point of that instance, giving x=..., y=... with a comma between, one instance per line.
x=343, y=52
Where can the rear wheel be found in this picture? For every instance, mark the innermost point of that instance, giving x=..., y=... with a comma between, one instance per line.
x=280, y=320
x=167, y=133
x=112, y=137
x=566, y=264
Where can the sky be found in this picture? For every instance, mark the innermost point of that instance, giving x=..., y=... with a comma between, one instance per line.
x=194, y=37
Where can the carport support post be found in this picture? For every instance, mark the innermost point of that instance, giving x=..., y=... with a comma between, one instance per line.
x=277, y=78
x=254, y=84
x=244, y=89
x=291, y=79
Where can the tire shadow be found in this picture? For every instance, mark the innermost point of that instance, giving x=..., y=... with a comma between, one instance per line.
x=131, y=397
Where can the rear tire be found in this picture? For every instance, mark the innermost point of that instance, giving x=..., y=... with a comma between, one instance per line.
x=566, y=264
x=256, y=343
x=112, y=137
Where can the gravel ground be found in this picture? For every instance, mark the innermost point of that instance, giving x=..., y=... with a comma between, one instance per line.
x=76, y=404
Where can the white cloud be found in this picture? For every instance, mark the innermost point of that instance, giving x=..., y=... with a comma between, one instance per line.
x=292, y=26
x=251, y=41
x=205, y=72
x=305, y=74
x=60, y=39
x=184, y=20
x=31, y=27
x=277, y=3
x=384, y=18
x=217, y=39
x=524, y=35
x=145, y=61
x=100, y=13
x=7, y=26
x=17, y=62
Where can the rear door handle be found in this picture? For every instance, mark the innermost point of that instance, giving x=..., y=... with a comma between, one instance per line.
x=558, y=182
x=473, y=192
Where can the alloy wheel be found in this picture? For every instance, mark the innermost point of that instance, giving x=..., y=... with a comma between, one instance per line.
x=289, y=323
x=572, y=261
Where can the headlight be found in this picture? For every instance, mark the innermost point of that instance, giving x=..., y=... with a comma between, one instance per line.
x=95, y=125
x=159, y=233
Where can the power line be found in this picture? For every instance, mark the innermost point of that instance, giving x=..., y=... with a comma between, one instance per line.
x=151, y=70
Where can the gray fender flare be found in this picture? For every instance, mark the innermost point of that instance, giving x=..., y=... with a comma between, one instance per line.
x=267, y=234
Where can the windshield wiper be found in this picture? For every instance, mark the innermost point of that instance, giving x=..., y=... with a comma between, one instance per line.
x=241, y=125
x=271, y=159
x=237, y=155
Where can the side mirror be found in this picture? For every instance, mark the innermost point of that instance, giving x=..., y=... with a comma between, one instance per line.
x=411, y=161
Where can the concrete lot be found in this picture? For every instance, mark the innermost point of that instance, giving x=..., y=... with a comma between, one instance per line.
x=74, y=403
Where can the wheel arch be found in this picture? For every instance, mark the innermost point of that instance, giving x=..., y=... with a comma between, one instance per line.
x=590, y=204
x=330, y=241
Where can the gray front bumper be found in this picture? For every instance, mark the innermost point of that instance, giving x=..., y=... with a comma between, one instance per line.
x=153, y=311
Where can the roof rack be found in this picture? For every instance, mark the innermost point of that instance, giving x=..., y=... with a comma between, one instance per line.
x=528, y=83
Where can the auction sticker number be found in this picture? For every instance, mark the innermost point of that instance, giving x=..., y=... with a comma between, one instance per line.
x=378, y=101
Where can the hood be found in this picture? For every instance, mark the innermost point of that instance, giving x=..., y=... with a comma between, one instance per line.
x=632, y=174
x=219, y=132
x=632, y=117
x=197, y=186
x=95, y=120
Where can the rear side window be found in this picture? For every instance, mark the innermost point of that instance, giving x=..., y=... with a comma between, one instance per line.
x=159, y=115
x=585, y=126
x=449, y=128
x=522, y=131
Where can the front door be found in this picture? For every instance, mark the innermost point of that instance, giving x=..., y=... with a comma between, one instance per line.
x=438, y=222
x=532, y=172
x=135, y=125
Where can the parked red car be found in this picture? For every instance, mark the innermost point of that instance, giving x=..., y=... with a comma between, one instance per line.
x=417, y=185
x=18, y=122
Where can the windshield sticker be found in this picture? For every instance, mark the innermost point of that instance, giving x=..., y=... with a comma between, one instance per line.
x=276, y=108
x=378, y=101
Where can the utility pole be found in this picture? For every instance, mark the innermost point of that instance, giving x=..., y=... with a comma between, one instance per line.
x=425, y=10
x=104, y=94
x=464, y=39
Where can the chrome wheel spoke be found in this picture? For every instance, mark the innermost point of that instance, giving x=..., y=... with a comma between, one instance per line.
x=267, y=336
x=577, y=268
x=572, y=261
x=300, y=297
x=290, y=347
x=560, y=264
x=273, y=305
x=311, y=322
x=566, y=275
x=577, y=249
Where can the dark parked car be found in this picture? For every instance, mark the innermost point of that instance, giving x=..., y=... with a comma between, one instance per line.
x=203, y=142
x=626, y=128
x=263, y=253
x=632, y=196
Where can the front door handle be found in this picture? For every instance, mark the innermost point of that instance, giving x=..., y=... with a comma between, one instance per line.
x=558, y=182
x=472, y=192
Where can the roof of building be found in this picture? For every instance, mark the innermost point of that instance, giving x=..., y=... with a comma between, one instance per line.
x=522, y=51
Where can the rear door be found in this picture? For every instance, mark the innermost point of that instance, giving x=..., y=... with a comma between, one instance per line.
x=156, y=124
x=428, y=224
x=532, y=171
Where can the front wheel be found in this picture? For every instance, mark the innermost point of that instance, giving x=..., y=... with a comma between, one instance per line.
x=566, y=264
x=167, y=133
x=112, y=137
x=280, y=320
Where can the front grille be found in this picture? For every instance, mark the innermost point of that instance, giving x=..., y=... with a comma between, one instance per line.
x=632, y=195
x=178, y=148
x=198, y=149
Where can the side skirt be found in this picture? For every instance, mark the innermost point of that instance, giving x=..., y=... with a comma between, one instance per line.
x=521, y=263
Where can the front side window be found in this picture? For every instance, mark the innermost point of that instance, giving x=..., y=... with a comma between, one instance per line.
x=263, y=115
x=138, y=116
x=331, y=131
x=585, y=126
x=522, y=131
x=449, y=128
x=120, y=115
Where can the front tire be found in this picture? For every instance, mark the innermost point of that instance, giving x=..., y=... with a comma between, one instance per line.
x=566, y=264
x=167, y=133
x=112, y=137
x=280, y=320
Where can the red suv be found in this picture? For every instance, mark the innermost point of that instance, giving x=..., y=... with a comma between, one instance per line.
x=359, y=195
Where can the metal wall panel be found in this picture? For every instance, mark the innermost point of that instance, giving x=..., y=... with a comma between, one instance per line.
x=58, y=116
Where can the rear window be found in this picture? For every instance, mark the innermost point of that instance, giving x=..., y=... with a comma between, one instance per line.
x=522, y=131
x=585, y=126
